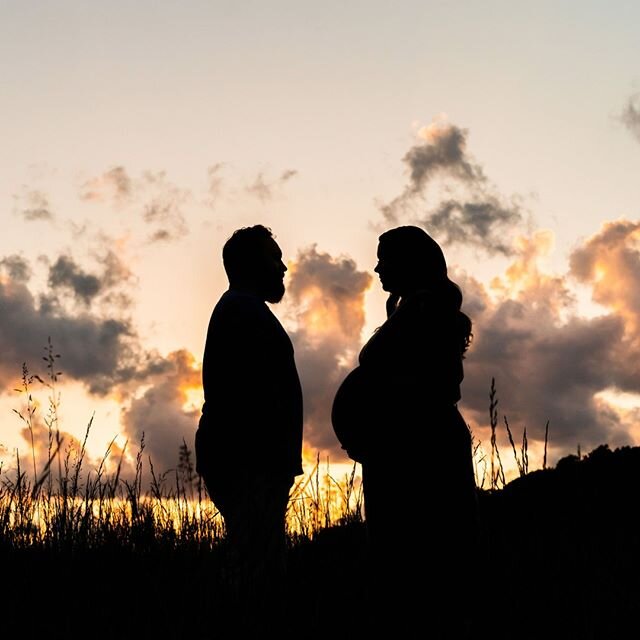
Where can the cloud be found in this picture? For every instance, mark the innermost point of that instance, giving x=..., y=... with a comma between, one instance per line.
x=33, y=205
x=16, y=267
x=164, y=412
x=66, y=274
x=164, y=213
x=630, y=116
x=609, y=262
x=214, y=185
x=483, y=224
x=153, y=199
x=163, y=208
x=544, y=372
x=549, y=362
x=478, y=216
x=101, y=350
x=444, y=150
x=264, y=190
x=327, y=295
x=114, y=184
x=260, y=189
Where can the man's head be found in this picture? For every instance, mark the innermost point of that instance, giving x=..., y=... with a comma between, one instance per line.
x=253, y=262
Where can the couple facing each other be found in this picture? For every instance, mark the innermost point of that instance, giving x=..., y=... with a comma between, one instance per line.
x=395, y=413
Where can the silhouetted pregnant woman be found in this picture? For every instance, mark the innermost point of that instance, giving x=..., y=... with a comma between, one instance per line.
x=396, y=413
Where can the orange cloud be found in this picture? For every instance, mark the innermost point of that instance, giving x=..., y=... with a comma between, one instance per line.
x=526, y=280
x=166, y=412
x=609, y=262
x=550, y=362
x=438, y=128
x=326, y=295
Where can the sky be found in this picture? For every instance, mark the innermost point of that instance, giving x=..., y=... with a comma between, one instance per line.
x=137, y=136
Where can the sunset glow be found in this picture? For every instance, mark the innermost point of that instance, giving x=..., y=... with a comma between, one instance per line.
x=137, y=137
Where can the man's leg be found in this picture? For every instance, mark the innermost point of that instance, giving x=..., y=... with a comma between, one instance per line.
x=268, y=505
x=254, y=510
x=264, y=552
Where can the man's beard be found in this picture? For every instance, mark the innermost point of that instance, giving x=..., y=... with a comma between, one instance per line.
x=274, y=291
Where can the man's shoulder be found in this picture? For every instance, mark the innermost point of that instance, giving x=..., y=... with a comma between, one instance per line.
x=239, y=312
x=236, y=302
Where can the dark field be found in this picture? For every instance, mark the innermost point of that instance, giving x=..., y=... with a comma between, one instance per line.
x=560, y=558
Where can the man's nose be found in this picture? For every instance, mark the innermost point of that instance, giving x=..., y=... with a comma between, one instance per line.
x=284, y=266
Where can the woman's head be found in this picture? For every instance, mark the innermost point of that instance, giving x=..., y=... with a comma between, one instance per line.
x=409, y=260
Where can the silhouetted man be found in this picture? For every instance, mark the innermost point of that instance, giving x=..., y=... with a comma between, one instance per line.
x=249, y=441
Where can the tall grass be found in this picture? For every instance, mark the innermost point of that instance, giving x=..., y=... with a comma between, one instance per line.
x=496, y=470
x=70, y=505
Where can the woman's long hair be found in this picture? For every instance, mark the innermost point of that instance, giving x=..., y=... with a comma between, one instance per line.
x=425, y=265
